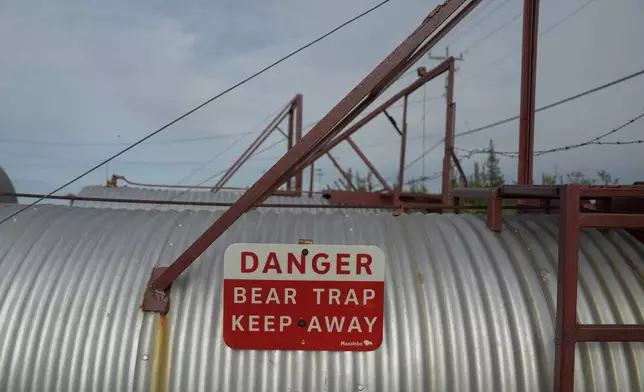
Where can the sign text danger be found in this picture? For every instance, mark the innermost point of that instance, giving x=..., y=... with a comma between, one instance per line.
x=303, y=297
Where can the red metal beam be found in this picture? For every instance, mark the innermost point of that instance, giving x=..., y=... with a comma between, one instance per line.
x=415, y=85
x=528, y=88
x=324, y=131
x=253, y=147
x=367, y=162
x=610, y=333
x=494, y=212
x=449, y=136
x=611, y=221
x=567, y=277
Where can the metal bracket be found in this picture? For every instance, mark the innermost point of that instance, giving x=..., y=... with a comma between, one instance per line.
x=156, y=300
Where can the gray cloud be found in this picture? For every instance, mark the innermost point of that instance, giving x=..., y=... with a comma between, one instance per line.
x=114, y=71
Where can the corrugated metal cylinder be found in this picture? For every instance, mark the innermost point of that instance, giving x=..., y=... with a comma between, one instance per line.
x=466, y=309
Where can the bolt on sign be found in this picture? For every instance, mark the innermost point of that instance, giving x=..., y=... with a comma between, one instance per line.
x=304, y=297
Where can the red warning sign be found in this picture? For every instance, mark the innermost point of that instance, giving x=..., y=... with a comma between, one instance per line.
x=303, y=297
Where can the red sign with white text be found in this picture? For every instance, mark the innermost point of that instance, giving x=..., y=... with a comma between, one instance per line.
x=304, y=297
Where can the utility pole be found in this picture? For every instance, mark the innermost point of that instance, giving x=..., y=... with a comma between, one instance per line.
x=446, y=95
x=441, y=58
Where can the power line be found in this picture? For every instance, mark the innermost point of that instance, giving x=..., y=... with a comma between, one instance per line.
x=478, y=22
x=106, y=144
x=486, y=37
x=557, y=103
x=544, y=32
x=183, y=116
x=549, y=106
x=594, y=141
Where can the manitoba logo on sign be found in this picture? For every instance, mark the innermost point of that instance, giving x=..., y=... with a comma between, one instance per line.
x=303, y=297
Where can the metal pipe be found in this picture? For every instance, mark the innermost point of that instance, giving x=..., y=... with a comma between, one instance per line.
x=347, y=109
x=369, y=164
x=528, y=88
x=228, y=204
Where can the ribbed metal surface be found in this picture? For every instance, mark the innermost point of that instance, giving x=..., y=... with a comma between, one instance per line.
x=223, y=196
x=465, y=310
x=6, y=187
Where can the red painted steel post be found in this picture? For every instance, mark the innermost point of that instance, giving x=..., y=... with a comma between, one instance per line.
x=367, y=162
x=494, y=212
x=436, y=25
x=298, y=136
x=567, y=278
x=449, y=137
x=528, y=87
x=403, y=147
x=290, y=142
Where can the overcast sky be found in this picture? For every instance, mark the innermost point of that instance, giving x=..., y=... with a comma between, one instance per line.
x=80, y=79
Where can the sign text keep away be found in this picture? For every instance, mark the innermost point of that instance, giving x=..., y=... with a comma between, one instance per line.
x=303, y=297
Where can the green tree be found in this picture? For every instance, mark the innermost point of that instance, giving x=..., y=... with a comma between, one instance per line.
x=551, y=179
x=606, y=179
x=578, y=177
x=417, y=187
x=364, y=184
x=494, y=176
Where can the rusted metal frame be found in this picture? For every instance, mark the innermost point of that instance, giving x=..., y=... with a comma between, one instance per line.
x=567, y=279
x=159, y=302
x=611, y=221
x=449, y=8
x=610, y=333
x=363, y=94
x=418, y=83
x=403, y=149
x=367, y=162
x=253, y=147
x=347, y=176
x=530, y=191
x=449, y=136
x=459, y=168
x=528, y=88
x=494, y=212
x=473, y=193
x=599, y=192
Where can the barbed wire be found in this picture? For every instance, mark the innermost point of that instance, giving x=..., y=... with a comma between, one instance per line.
x=594, y=141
